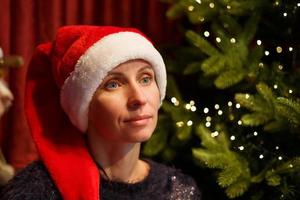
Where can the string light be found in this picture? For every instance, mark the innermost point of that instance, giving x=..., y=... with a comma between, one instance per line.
x=261, y=156
x=279, y=158
x=232, y=137
x=255, y=133
x=240, y=122
x=290, y=48
x=206, y=33
x=179, y=124
x=189, y=123
x=214, y=134
x=291, y=166
x=279, y=49
x=217, y=106
x=290, y=91
x=258, y=42
x=284, y=14
x=232, y=40
x=267, y=53
x=192, y=102
x=275, y=86
x=188, y=106
x=201, y=19
x=208, y=118
x=220, y=112
x=277, y=3
x=229, y=103
x=241, y=148
x=298, y=4
x=175, y=101
x=205, y=110
x=198, y=1
x=277, y=147
x=191, y=8
x=247, y=96
x=228, y=7
x=211, y=5
x=280, y=67
x=261, y=65
x=193, y=108
x=238, y=106
x=218, y=39
x=207, y=124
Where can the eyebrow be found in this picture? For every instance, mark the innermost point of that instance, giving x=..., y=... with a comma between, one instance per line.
x=147, y=67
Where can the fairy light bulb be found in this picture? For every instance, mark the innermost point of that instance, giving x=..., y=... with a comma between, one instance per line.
x=284, y=14
x=279, y=49
x=220, y=112
x=277, y=147
x=279, y=157
x=258, y=42
x=228, y=7
x=193, y=108
x=189, y=123
x=211, y=5
x=217, y=106
x=261, y=156
x=205, y=110
x=267, y=53
x=218, y=39
x=240, y=122
x=290, y=49
x=290, y=91
x=201, y=19
x=173, y=99
x=255, y=133
x=238, y=106
x=191, y=8
x=233, y=40
x=207, y=124
x=232, y=137
x=179, y=124
x=192, y=102
x=214, y=134
x=280, y=67
x=188, y=106
x=261, y=65
x=247, y=96
x=241, y=148
x=206, y=33
x=208, y=118
x=275, y=86
x=229, y=103
x=198, y=1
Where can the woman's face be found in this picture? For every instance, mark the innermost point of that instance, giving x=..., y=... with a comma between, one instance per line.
x=125, y=106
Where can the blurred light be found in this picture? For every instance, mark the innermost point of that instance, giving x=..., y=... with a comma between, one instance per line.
x=261, y=156
x=187, y=106
x=220, y=112
x=238, y=105
x=198, y=1
x=191, y=8
x=208, y=118
x=217, y=106
x=205, y=110
x=173, y=99
x=247, y=96
x=277, y=147
x=267, y=53
x=228, y=7
x=211, y=5
x=180, y=124
x=290, y=48
x=233, y=40
x=290, y=91
x=280, y=67
x=241, y=148
x=279, y=49
x=192, y=102
x=193, y=108
x=218, y=39
x=207, y=124
x=214, y=134
x=279, y=158
x=258, y=42
x=206, y=34
x=284, y=14
x=189, y=123
x=275, y=86
x=229, y=103
x=240, y=122
x=255, y=133
x=232, y=137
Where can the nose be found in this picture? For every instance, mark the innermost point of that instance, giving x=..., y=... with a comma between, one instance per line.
x=136, y=97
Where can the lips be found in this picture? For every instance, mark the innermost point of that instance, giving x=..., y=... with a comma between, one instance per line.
x=138, y=120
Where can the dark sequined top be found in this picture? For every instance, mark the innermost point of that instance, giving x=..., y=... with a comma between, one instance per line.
x=163, y=183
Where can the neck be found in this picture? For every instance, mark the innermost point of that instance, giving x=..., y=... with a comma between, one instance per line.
x=120, y=161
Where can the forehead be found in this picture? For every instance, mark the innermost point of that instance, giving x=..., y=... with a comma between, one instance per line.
x=131, y=65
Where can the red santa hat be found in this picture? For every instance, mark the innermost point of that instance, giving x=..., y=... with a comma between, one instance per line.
x=62, y=78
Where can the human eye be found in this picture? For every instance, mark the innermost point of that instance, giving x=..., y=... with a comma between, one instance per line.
x=111, y=85
x=146, y=80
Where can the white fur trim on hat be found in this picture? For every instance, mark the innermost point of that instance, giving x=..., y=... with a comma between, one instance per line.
x=92, y=67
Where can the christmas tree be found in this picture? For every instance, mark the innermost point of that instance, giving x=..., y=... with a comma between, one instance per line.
x=232, y=113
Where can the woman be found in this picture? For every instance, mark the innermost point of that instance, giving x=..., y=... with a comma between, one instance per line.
x=92, y=97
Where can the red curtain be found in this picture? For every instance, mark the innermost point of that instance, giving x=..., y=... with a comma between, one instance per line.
x=26, y=23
